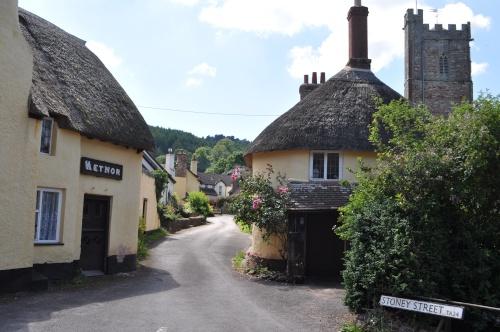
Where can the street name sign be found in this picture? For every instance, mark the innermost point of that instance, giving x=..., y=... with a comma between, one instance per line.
x=431, y=308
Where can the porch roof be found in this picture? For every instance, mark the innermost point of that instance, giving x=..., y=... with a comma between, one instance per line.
x=318, y=195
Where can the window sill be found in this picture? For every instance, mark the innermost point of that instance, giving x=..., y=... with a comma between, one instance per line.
x=43, y=244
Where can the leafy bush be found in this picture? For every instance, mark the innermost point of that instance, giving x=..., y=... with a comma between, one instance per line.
x=142, y=250
x=260, y=204
x=198, y=203
x=161, y=181
x=244, y=226
x=146, y=239
x=425, y=220
x=238, y=260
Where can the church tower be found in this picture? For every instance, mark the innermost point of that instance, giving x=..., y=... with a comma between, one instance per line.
x=437, y=64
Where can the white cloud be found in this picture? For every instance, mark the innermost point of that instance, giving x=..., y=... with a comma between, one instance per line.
x=203, y=69
x=197, y=74
x=192, y=82
x=459, y=13
x=478, y=68
x=189, y=3
x=289, y=17
x=105, y=53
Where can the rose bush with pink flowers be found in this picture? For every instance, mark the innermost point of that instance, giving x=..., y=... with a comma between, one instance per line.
x=260, y=204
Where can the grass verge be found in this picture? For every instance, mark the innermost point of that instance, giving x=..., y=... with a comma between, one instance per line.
x=238, y=261
x=244, y=227
x=148, y=239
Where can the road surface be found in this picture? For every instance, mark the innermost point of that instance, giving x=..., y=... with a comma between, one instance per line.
x=186, y=284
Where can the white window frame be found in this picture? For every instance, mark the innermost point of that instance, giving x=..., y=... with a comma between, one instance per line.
x=51, y=136
x=325, y=165
x=39, y=215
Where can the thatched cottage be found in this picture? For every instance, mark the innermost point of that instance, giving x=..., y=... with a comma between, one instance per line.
x=70, y=170
x=315, y=144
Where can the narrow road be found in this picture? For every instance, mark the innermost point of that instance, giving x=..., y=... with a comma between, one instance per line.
x=187, y=284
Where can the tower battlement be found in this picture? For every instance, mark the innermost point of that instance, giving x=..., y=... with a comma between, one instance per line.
x=437, y=63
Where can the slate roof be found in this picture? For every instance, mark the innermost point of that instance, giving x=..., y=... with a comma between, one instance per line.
x=335, y=116
x=213, y=179
x=74, y=87
x=318, y=195
x=209, y=191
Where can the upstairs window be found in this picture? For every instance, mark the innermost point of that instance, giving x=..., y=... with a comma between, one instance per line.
x=47, y=215
x=325, y=166
x=46, y=139
x=443, y=65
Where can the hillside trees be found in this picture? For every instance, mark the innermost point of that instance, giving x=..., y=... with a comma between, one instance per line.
x=215, y=154
x=426, y=220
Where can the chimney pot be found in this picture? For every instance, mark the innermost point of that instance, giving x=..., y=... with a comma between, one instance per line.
x=323, y=78
x=315, y=78
x=306, y=79
x=357, y=3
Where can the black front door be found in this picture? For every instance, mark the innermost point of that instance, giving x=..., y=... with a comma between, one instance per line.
x=94, y=233
x=324, y=249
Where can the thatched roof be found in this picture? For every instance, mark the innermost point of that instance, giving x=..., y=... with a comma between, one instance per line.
x=72, y=85
x=335, y=116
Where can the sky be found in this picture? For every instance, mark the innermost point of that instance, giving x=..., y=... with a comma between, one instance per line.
x=244, y=60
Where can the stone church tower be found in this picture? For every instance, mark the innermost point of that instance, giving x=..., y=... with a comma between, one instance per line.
x=437, y=64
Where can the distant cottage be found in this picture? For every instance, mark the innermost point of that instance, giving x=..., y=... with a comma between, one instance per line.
x=71, y=157
x=315, y=144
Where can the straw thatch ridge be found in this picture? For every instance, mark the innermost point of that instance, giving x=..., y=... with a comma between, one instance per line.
x=73, y=86
x=335, y=116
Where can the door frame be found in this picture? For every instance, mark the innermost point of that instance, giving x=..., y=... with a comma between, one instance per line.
x=107, y=199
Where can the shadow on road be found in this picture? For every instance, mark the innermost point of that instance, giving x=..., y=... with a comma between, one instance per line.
x=17, y=311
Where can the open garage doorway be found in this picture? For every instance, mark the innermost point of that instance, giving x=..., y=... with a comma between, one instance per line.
x=324, y=249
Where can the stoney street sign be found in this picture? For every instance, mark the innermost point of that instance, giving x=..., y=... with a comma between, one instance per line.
x=431, y=308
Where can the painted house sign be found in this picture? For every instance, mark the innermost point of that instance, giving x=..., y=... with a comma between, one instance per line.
x=100, y=168
x=431, y=308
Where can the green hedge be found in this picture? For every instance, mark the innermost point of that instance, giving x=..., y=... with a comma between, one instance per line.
x=426, y=220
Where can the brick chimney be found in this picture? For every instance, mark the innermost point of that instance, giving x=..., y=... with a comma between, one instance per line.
x=181, y=164
x=358, y=36
x=306, y=88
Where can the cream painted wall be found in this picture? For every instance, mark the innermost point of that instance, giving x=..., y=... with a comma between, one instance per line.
x=295, y=164
x=62, y=171
x=148, y=192
x=269, y=249
x=18, y=151
x=192, y=183
x=125, y=193
x=186, y=184
x=180, y=187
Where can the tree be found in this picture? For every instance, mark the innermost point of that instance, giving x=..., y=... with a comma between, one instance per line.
x=425, y=221
x=203, y=155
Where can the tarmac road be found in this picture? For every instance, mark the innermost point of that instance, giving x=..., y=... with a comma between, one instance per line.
x=187, y=284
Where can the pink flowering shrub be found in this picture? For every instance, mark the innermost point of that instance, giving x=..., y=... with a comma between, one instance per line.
x=261, y=205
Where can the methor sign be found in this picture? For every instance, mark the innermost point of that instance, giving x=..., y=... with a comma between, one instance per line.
x=431, y=308
x=100, y=168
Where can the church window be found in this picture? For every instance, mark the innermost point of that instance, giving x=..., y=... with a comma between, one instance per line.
x=443, y=65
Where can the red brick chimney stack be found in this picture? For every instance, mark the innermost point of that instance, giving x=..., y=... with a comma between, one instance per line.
x=315, y=78
x=358, y=36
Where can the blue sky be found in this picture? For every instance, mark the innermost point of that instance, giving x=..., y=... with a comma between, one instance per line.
x=249, y=56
